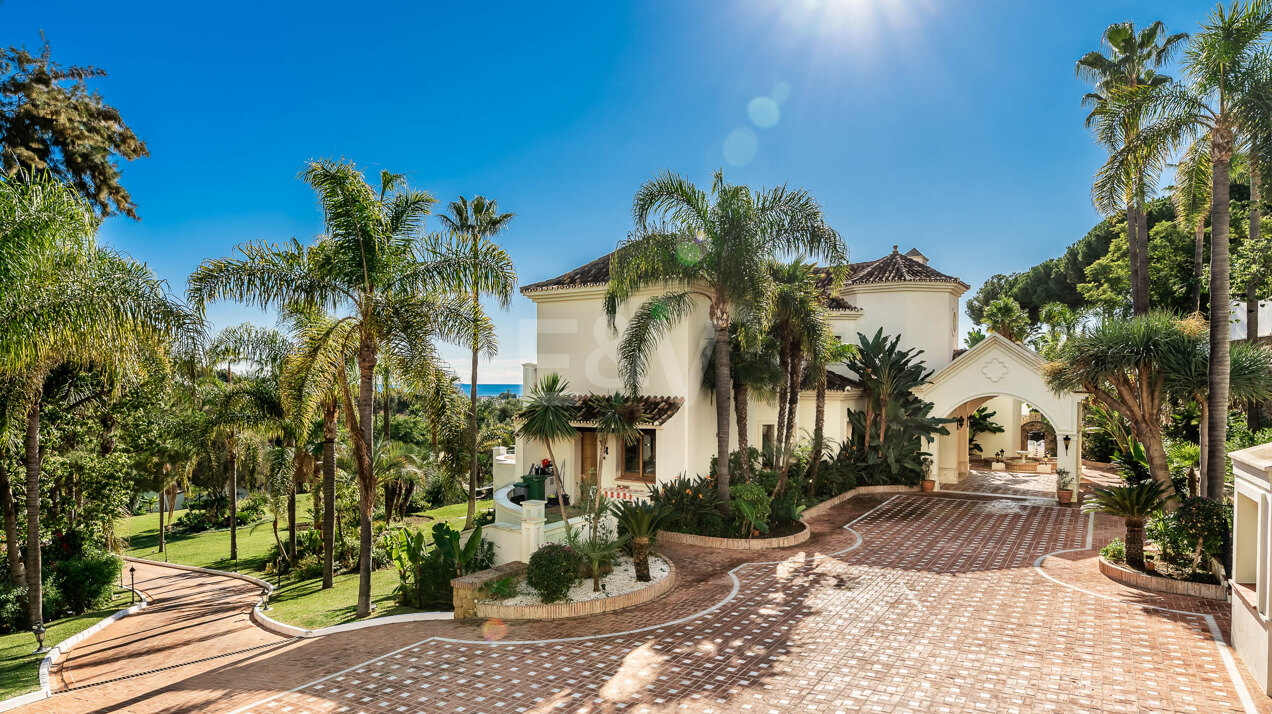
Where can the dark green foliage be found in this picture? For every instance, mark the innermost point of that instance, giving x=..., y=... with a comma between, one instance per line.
x=695, y=503
x=87, y=581
x=837, y=474
x=502, y=588
x=425, y=572
x=752, y=508
x=212, y=510
x=13, y=609
x=981, y=422
x=1133, y=464
x=553, y=570
x=51, y=121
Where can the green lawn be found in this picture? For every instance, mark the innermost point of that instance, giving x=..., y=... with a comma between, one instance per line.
x=302, y=603
x=20, y=667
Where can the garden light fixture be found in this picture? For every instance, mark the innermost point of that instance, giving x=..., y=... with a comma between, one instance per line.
x=132, y=578
x=38, y=629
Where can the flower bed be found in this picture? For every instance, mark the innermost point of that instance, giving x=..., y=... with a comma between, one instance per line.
x=622, y=590
x=785, y=541
x=1157, y=583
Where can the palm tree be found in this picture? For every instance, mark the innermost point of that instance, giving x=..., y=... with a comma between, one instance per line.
x=754, y=372
x=1006, y=317
x=1191, y=197
x=1132, y=61
x=1136, y=504
x=616, y=418
x=1223, y=100
x=68, y=302
x=474, y=224
x=388, y=281
x=800, y=323
x=546, y=418
x=887, y=375
x=713, y=249
x=642, y=522
x=828, y=351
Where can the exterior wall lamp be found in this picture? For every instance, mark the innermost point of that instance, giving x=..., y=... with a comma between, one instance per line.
x=1067, y=439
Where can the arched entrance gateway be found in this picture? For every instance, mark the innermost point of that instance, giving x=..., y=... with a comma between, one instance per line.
x=1000, y=372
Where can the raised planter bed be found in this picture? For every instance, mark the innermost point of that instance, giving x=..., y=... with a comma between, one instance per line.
x=785, y=541
x=560, y=610
x=1157, y=583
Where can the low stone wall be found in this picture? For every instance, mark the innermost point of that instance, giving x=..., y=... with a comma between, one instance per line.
x=561, y=610
x=467, y=589
x=785, y=541
x=1156, y=583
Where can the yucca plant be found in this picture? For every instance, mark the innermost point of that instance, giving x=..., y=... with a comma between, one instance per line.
x=642, y=521
x=1134, y=504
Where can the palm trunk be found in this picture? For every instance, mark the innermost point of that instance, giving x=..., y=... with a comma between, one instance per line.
x=35, y=591
x=472, y=434
x=819, y=431
x=1135, y=542
x=560, y=487
x=792, y=416
x=783, y=389
x=162, y=497
x=1204, y=443
x=640, y=559
x=1141, y=236
x=17, y=572
x=1220, y=360
x=233, y=501
x=1253, y=408
x=741, y=401
x=291, y=513
x=1199, y=261
x=367, y=359
x=392, y=487
x=1138, y=304
x=328, y=492
x=723, y=390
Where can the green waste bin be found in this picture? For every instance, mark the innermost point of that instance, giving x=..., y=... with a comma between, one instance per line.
x=534, y=487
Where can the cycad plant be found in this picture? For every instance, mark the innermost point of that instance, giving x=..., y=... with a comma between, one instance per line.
x=642, y=521
x=711, y=251
x=1135, y=504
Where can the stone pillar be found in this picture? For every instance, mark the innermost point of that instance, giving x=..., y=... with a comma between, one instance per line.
x=532, y=520
x=963, y=441
x=1261, y=567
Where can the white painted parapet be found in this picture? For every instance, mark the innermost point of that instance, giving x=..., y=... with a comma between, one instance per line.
x=1251, y=580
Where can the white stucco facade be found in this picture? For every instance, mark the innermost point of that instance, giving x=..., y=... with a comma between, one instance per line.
x=1251, y=577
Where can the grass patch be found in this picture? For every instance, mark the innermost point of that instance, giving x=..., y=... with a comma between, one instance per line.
x=453, y=512
x=304, y=604
x=20, y=667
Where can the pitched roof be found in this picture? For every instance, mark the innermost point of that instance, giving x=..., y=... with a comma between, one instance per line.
x=892, y=268
x=654, y=410
x=837, y=382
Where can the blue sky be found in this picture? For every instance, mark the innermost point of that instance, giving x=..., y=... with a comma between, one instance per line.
x=953, y=126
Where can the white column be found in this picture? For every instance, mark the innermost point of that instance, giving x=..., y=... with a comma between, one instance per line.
x=532, y=520
x=1261, y=571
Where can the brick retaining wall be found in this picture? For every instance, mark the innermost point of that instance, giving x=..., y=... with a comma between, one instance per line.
x=560, y=610
x=1157, y=583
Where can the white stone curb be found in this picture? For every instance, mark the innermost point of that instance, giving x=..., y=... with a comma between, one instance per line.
x=269, y=624
x=46, y=665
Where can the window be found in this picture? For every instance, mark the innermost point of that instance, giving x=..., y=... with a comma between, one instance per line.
x=768, y=436
x=639, y=458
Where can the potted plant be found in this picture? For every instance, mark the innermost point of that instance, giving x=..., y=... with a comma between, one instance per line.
x=1064, y=486
x=928, y=483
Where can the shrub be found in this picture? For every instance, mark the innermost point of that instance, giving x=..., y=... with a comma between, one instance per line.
x=88, y=581
x=695, y=504
x=309, y=566
x=13, y=608
x=752, y=508
x=424, y=573
x=502, y=588
x=837, y=475
x=1114, y=551
x=552, y=571
x=788, y=506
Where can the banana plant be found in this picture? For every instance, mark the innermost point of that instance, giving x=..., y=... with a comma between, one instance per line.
x=446, y=539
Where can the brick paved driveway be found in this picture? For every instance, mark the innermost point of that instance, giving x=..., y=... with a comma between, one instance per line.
x=928, y=603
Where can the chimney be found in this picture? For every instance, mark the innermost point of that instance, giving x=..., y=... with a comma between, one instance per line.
x=916, y=255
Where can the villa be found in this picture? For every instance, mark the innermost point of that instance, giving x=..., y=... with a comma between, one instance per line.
x=900, y=293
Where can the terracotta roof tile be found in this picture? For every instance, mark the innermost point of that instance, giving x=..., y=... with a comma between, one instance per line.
x=654, y=410
x=836, y=382
x=592, y=274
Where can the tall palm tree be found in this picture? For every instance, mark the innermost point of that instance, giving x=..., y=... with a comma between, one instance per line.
x=1222, y=101
x=829, y=350
x=1191, y=197
x=474, y=223
x=711, y=251
x=1132, y=61
x=754, y=372
x=800, y=323
x=68, y=301
x=389, y=283
x=546, y=418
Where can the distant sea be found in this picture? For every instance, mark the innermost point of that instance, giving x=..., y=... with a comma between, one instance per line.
x=492, y=390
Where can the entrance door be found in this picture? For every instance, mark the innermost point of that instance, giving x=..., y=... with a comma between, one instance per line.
x=588, y=464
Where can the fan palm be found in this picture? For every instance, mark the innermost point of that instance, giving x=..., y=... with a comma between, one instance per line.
x=714, y=249
x=1132, y=61
x=1224, y=100
x=1135, y=504
x=474, y=223
x=546, y=418
x=390, y=285
x=68, y=301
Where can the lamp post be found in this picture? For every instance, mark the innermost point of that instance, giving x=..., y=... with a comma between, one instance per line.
x=38, y=629
x=132, y=579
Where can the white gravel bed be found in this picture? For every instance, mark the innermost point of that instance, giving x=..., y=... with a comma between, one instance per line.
x=619, y=582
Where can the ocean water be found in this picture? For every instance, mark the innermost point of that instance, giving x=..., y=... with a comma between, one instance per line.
x=492, y=390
